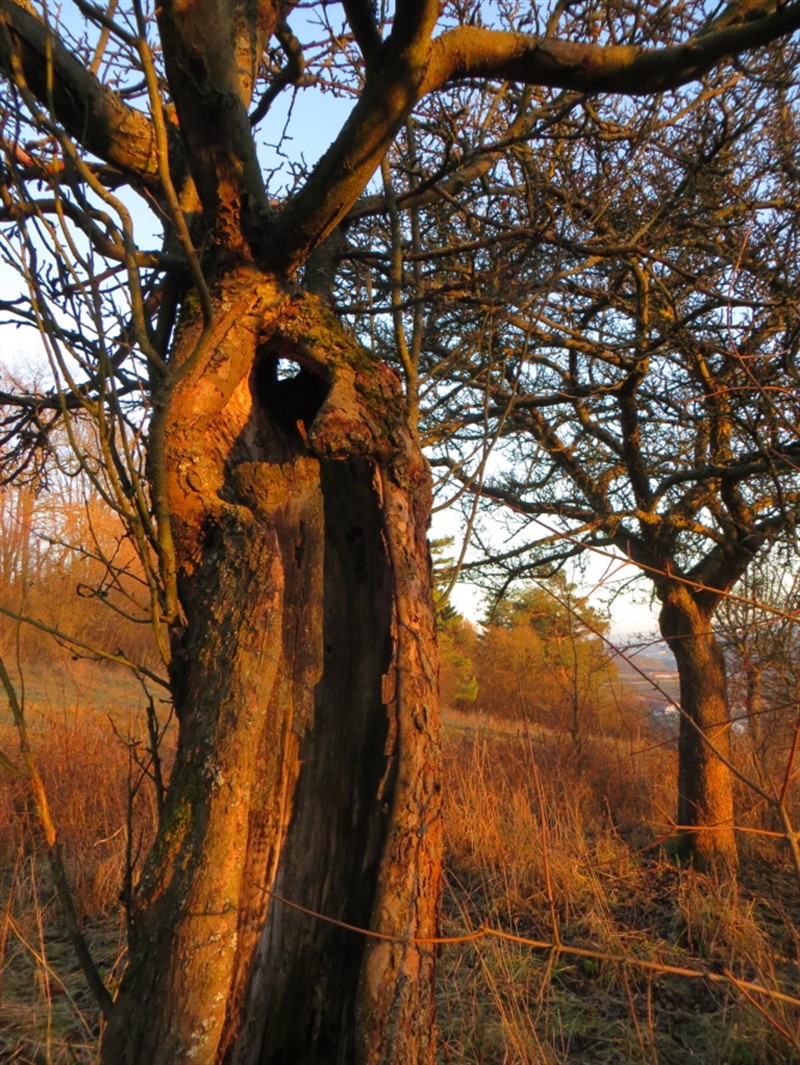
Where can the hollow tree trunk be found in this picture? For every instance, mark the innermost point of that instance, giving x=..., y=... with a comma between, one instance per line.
x=705, y=782
x=305, y=684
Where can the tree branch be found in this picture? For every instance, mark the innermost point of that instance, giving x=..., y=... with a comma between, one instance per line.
x=365, y=29
x=210, y=53
x=475, y=52
x=414, y=22
x=411, y=67
x=32, y=56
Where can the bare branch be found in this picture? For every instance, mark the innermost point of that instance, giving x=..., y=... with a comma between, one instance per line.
x=365, y=28
x=31, y=55
x=475, y=52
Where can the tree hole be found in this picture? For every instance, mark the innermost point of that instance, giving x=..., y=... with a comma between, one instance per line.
x=289, y=393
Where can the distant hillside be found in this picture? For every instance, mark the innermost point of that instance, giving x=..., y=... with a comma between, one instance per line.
x=650, y=668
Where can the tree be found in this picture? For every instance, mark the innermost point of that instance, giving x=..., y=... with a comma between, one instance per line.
x=281, y=512
x=69, y=570
x=542, y=657
x=458, y=684
x=631, y=355
x=457, y=638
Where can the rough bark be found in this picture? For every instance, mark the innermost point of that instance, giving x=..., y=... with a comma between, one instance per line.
x=306, y=688
x=705, y=782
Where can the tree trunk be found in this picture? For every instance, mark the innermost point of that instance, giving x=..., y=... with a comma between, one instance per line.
x=705, y=782
x=305, y=684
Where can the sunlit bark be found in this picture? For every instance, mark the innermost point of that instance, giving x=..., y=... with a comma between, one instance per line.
x=705, y=782
x=304, y=678
x=288, y=516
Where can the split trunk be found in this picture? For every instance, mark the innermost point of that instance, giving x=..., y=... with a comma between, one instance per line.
x=305, y=796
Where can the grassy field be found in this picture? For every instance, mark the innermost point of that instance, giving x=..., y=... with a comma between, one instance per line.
x=551, y=846
x=589, y=947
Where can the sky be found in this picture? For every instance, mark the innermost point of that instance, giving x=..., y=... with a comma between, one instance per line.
x=631, y=611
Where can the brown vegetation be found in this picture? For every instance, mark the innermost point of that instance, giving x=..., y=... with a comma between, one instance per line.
x=545, y=845
x=89, y=743
x=555, y=851
x=567, y=936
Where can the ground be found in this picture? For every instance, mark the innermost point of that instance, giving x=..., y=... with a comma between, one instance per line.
x=546, y=843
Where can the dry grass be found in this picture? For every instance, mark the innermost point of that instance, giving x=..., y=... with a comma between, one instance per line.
x=545, y=841
x=46, y=1012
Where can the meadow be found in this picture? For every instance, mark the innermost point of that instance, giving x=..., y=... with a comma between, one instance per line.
x=573, y=937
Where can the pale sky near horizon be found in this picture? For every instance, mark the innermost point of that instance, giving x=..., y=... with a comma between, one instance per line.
x=631, y=613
